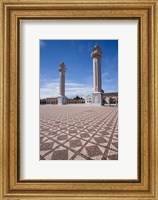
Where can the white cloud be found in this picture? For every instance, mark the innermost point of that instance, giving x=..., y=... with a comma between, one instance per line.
x=51, y=89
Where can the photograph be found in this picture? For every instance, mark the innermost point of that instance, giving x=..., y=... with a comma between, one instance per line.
x=79, y=99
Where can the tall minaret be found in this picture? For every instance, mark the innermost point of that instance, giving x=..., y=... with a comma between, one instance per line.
x=62, y=98
x=96, y=55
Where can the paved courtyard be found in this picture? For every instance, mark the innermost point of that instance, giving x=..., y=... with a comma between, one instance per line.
x=76, y=132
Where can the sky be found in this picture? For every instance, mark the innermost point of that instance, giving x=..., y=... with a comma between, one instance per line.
x=79, y=75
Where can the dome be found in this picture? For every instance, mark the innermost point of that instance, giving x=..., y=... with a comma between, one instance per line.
x=97, y=52
x=62, y=67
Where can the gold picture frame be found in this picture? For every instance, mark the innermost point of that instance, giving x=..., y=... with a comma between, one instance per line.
x=12, y=12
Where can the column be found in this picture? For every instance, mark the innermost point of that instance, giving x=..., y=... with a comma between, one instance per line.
x=62, y=98
x=96, y=55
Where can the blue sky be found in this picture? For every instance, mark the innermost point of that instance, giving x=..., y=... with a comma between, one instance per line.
x=79, y=75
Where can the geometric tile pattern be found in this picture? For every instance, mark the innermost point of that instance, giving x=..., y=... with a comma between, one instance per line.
x=75, y=132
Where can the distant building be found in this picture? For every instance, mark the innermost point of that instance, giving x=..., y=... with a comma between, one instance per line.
x=51, y=101
x=54, y=100
x=75, y=101
x=88, y=99
x=110, y=98
x=107, y=99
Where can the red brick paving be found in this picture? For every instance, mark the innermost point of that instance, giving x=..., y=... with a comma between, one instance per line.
x=78, y=132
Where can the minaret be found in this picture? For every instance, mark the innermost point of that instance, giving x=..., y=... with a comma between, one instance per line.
x=62, y=98
x=96, y=55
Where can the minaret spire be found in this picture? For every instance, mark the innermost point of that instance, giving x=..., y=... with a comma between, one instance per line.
x=62, y=98
x=96, y=55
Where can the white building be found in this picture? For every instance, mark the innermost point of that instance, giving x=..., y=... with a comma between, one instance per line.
x=88, y=99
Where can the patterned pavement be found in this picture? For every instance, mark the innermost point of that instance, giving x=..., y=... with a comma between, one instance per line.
x=78, y=132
